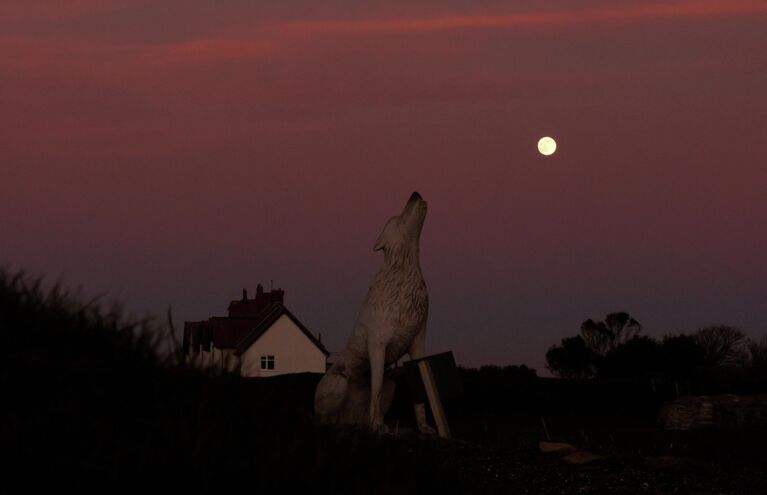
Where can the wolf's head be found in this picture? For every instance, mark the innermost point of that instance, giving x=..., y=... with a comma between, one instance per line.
x=402, y=233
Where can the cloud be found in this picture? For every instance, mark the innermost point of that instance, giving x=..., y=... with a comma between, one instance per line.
x=292, y=74
x=56, y=9
x=570, y=17
x=226, y=39
x=211, y=50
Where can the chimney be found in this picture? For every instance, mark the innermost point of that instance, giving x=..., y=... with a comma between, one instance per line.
x=278, y=295
x=259, y=291
x=244, y=295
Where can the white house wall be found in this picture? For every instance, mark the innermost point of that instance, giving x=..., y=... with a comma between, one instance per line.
x=292, y=350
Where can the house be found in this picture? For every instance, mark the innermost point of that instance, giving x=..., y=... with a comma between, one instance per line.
x=259, y=337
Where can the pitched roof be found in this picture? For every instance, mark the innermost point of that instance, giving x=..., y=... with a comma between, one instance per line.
x=229, y=331
x=239, y=333
x=268, y=317
x=250, y=308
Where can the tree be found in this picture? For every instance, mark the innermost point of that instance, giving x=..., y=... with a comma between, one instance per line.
x=509, y=371
x=573, y=359
x=604, y=336
x=681, y=355
x=522, y=372
x=633, y=358
x=722, y=345
x=757, y=350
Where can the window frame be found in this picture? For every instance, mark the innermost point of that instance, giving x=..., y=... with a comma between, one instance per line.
x=266, y=362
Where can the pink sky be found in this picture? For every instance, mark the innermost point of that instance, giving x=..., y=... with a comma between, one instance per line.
x=172, y=153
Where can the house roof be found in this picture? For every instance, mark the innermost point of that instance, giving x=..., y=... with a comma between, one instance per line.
x=269, y=316
x=229, y=331
x=251, y=308
x=239, y=333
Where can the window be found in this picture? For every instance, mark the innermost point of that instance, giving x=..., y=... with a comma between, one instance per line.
x=267, y=362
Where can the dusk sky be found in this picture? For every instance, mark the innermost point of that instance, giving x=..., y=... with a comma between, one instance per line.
x=170, y=153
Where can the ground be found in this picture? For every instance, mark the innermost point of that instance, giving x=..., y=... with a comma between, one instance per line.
x=89, y=404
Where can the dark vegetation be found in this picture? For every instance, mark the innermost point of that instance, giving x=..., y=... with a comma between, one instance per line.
x=93, y=400
x=614, y=348
x=89, y=403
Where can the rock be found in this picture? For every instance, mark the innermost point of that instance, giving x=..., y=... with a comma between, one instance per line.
x=687, y=413
x=582, y=457
x=556, y=448
x=722, y=411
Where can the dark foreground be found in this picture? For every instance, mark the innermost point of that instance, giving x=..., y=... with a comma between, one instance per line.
x=89, y=405
x=228, y=434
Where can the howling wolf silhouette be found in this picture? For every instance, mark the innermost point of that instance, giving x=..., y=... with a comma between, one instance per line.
x=391, y=323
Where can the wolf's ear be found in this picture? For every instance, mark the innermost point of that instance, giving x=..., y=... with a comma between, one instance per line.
x=379, y=243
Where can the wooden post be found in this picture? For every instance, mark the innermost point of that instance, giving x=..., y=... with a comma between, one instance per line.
x=543, y=421
x=434, y=400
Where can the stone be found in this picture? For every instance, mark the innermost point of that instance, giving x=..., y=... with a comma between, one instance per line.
x=724, y=411
x=556, y=448
x=582, y=457
x=390, y=324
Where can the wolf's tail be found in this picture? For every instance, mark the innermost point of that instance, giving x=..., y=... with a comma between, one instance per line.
x=329, y=397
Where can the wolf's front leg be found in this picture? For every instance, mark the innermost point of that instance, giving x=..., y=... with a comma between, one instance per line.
x=377, y=355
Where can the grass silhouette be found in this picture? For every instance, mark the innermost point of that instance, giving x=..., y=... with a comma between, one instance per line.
x=93, y=401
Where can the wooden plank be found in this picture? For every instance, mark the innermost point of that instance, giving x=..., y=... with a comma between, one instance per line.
x=445, y=374
x=432, y=394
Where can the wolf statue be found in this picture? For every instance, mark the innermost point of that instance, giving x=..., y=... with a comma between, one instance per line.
x=390, y=323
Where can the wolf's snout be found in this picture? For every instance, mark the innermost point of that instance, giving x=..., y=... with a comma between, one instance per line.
x=415, y=196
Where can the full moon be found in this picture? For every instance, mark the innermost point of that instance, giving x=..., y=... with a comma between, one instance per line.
x=547, y=146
